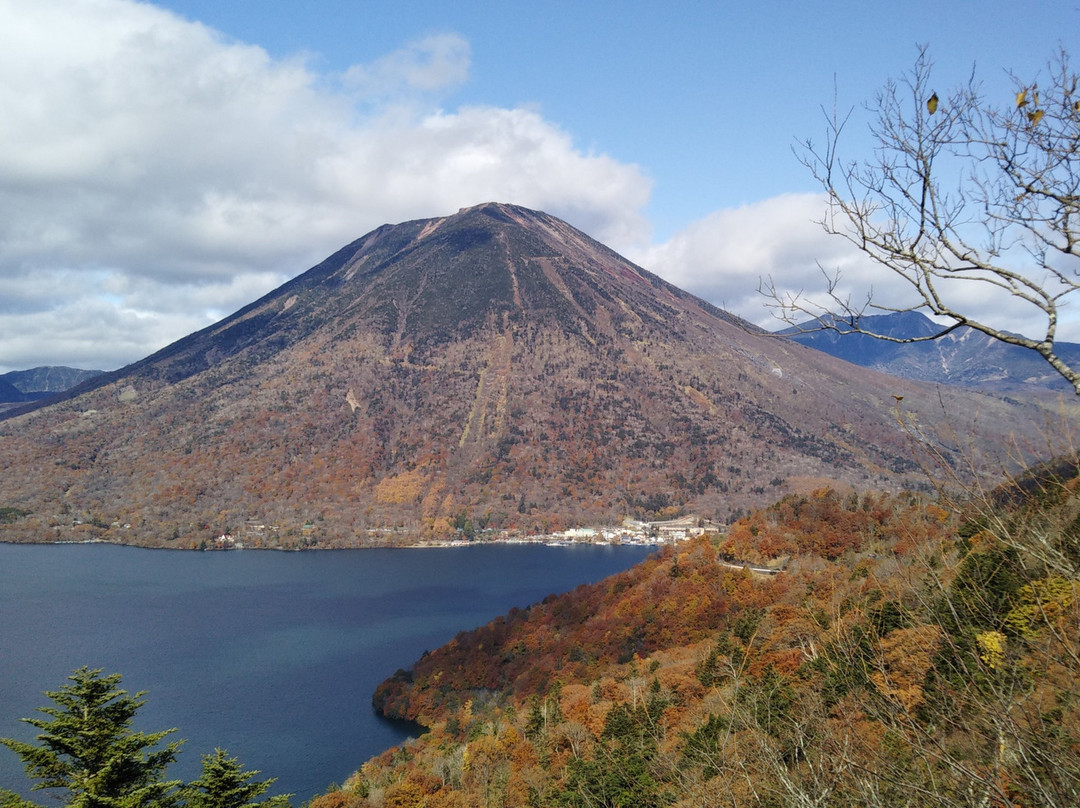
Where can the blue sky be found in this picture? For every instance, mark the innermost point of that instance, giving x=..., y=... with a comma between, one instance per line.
x=706, y=97
x=165, y=163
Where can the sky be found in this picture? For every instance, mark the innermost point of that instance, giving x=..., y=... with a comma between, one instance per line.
x=162, y=164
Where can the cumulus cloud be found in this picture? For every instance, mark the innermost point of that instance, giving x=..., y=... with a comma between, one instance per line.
x=156, y=174
x=726, y=256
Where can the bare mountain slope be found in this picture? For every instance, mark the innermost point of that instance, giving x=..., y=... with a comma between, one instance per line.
x=496, y=366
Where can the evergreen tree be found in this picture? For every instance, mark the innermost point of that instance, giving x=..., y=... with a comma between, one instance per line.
x=224, y=784
x=9, y=799
x=88, y=748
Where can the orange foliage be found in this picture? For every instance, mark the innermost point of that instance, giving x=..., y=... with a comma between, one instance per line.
x=906, y=656
x=827, y=523
x=337, y=799
x=403, y=488
x=677, y=597
x=740, y=680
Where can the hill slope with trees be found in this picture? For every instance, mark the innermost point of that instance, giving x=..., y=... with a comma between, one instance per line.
x=908, y=653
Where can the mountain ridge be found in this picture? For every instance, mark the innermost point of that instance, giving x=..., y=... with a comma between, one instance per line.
x=19, y=386
x=963, y=357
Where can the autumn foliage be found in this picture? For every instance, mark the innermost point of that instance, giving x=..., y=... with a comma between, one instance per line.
x=907, y=654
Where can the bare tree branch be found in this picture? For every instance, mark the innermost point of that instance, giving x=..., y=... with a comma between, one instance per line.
x=961, y=195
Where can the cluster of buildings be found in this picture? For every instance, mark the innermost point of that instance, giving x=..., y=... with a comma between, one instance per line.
x=633, y=531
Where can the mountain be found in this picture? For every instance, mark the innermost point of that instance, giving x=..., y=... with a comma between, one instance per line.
x=50, y=379
x=18, y=386
x=494, y=369
x=963, y=357
x=9, y=393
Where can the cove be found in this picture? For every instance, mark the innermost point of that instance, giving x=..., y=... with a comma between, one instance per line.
x=272, y=656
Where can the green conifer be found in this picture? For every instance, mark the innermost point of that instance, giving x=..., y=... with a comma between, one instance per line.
x=224, y=784
x=88, y=748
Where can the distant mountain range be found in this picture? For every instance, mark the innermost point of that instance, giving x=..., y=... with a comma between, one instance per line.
x=19, y=386
x=964, y=357
x=496, y=368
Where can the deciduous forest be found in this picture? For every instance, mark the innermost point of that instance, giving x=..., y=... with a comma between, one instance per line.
x=907, y=654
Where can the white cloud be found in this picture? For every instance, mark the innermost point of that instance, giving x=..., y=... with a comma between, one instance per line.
x=724, y=257
x=154, y=173
x=433, y=63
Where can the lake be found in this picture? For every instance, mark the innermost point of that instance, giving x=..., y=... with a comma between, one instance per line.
x=272, y=656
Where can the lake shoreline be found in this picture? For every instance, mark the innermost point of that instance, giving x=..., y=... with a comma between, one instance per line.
x=552, y=541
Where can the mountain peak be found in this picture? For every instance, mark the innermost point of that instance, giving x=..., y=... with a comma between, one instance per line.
x=496, y=209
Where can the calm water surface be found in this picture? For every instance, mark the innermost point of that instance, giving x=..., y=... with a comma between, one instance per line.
x=272, y=656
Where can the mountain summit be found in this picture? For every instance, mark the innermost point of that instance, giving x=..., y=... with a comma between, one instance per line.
x=493, y=368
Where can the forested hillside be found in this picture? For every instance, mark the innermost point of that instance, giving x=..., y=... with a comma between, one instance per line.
x=907, y=654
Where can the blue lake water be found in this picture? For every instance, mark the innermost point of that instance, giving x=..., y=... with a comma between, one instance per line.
x=272, y=656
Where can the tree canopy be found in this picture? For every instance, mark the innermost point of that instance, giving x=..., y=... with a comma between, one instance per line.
x=88, y=748
x=224, y=784
x=88, y=751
